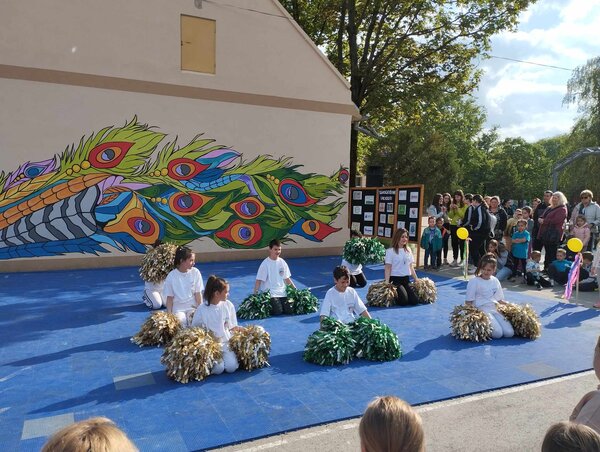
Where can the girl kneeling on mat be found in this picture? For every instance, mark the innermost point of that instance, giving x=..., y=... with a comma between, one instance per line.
x=485, y=292
x=217, y=314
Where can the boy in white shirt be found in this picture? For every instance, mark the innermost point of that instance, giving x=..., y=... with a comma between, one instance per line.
x=273, y=275
x=341, y=301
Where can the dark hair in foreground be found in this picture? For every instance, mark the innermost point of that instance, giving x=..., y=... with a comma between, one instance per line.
x=214, y=284
x=182, y=253
x=341, y=271
x=274, y=243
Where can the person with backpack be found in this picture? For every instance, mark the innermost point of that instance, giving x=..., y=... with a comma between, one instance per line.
x=479, y=229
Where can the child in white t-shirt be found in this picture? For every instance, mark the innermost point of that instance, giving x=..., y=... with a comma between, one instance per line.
x=273, y=275
x=183, y=286
x=357, y=276
x=485, y=292
x=217, y=314
x=341, y=301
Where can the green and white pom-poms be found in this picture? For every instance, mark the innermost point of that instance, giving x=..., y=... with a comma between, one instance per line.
x=303, y=301
x=470, y=324
x=382, y=294
x=364, y=250
x=158, y=329
x=191, y=355
x=523, y=319
x=425, y=290
x=375, y=341
x=255, y=306
x=330, y=346
x=251, y=345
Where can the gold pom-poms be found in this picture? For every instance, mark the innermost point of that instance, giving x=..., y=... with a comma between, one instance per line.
x=523, y=319
x=158, y=262
x=191, y=355
x=425, y=290
x=158, y=329
x=470, y=324
x=382, y=294
x=251, y=345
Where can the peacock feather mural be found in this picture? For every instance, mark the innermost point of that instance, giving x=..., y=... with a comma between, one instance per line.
x=118, y=189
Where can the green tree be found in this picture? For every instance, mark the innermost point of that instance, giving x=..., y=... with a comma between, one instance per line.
x=398, y=55
x=583, y=89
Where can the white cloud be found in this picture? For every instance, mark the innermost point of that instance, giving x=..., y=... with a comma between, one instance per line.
x=525, y=99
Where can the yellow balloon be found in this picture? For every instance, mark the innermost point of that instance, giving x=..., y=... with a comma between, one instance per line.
x=575, y=245
x=462, y=233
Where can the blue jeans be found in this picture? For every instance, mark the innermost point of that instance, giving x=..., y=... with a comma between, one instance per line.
x=429, y=253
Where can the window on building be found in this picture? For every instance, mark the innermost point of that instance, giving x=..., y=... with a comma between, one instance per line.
x=198, y=38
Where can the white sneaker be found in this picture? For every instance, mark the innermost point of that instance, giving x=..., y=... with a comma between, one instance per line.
x=454, y=263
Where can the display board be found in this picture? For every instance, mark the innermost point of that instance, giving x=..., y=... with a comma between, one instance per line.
x=363, y=205
x=378, y=212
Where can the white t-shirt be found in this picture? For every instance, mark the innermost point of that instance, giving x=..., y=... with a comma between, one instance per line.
x=400, y=261
x=218, y=318
x=272, y=274
x=182, y=287
x=355, y=269
x=342, y=306
x=485, y=293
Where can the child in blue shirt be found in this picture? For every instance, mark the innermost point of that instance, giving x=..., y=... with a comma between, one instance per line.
x=431, y=242
x=520, y=247
x=558, y=270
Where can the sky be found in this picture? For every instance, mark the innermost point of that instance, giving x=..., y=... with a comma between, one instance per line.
x=526, y=100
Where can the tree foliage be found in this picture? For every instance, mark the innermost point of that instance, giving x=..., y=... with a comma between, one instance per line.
x=398, y=55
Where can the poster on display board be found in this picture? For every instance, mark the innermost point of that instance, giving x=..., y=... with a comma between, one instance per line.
x=386, y=212
x=409, y=212
x=363, y=213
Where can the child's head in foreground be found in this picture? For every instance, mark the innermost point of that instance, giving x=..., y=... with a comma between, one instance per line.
x=561, y=254
x=587, y=257
x=390, y=424
x=571, y=437
x=94, y=434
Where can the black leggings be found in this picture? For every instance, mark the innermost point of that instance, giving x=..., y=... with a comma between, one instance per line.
x=406, y=296
x=358, y=280
x=476, y=246
x=458, y=245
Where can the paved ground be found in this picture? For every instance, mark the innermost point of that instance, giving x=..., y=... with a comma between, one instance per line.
x=513, y=419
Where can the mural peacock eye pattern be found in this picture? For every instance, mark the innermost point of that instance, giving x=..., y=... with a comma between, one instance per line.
x=117, y=189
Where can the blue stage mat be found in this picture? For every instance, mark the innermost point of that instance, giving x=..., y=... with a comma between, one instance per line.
x=66, y=356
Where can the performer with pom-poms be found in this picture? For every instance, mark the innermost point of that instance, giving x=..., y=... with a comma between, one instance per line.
x=156, y=265
x=359, y=251
x=274, y=275
x=217, y=315
x=341, y=301
x=485, y=293
x=399, y=266
x=183, y=286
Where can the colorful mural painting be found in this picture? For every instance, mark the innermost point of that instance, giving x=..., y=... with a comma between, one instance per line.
x=116, y=189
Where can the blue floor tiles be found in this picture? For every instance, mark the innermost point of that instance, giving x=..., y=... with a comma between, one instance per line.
x=66, y=355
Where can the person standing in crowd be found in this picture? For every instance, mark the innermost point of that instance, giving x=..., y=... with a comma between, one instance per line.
x=551, y=228
x=511, y=227
x=501, y=218
x=538, y=210
x=458, y=207
x=508, y=207
x=479, y=229
x=591, y=211
x=437, y=208
x=445, y=229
